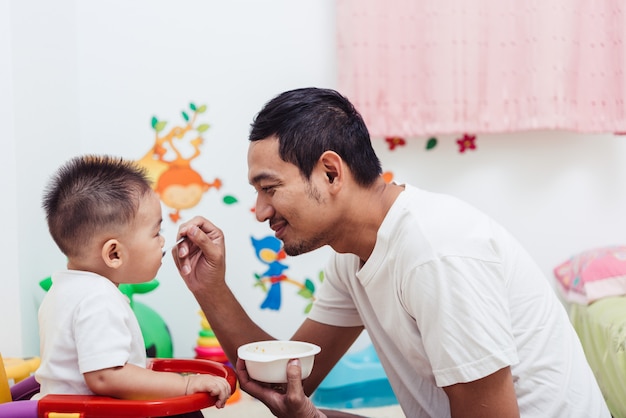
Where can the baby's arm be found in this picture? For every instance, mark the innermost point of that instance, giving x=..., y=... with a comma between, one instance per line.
x=133, y=382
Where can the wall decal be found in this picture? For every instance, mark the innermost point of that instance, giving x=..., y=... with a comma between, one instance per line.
x=431, y=143
x=168, y=162
x=395, y=141
x=467, y=142
x=229, y=200
x=270, y=252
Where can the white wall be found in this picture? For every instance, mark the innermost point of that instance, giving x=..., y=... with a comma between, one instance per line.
x=41, y=58
x=10, y=315
x=559, y=193
x=89, y=76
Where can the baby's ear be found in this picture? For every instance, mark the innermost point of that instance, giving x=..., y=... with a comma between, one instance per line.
x=111, y=253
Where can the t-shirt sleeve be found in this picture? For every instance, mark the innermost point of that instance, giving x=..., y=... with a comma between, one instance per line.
x=333, y=304
x=102, y=335
x=460, y=306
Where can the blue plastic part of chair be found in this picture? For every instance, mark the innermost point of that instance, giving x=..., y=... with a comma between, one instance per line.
x=361, y=366
x=359, y=395
x=357, y=381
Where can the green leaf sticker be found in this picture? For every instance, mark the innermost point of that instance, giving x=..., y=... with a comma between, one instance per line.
x=192, y=106
x=261, y=284
x=229, y=200
x=309, y=285
x=160, y=126
x=305, y=293
x=203, y=127
x=154, y=122
x=185, y=116
x=201, y=109
x=432, y=143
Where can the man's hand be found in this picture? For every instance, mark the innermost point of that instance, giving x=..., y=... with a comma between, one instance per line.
x=284, y=402
x=200, y=258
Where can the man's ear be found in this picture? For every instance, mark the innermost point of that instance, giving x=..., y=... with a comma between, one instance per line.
x=332, y=165
x=111, y=253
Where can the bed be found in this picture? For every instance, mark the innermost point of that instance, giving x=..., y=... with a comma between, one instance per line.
x=601, y=327
x=593, y=286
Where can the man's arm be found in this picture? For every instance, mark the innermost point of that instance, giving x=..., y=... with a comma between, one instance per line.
x=201, y=262
x=491, y=396
x=335, y=342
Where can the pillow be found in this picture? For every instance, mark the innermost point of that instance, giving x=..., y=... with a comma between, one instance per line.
x=593, y=275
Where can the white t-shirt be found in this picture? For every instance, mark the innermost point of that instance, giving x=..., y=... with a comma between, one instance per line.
x=85, y=324
x=449, y=296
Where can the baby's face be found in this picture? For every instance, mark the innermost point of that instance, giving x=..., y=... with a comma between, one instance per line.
x=144, y=242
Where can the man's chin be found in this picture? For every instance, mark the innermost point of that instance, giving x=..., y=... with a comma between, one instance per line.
x=293, y=250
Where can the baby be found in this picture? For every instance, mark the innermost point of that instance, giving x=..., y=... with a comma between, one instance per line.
x=104, y=216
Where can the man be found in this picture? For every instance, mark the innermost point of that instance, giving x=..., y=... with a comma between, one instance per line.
x=464, y=322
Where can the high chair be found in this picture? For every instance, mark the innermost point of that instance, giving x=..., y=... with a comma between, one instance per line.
x=5, y=393
x=19, y=404
x=17, y=371
x=14, y=371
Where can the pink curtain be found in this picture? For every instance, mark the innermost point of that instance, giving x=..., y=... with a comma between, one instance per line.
x=415, y=67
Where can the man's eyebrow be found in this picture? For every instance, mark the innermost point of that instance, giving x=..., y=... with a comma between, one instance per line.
x=262, y=176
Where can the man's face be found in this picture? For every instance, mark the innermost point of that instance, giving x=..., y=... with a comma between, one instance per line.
x=293, y=206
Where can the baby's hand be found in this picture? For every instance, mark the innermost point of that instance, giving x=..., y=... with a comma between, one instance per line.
x=214, y=385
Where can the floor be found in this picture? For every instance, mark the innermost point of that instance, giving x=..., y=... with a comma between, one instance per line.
x=247, y=406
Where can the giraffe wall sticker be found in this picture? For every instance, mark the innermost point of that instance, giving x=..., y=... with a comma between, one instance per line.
x=168, y=162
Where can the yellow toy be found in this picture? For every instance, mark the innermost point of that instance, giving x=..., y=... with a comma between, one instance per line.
x=5, y=392
x=14, y=370
x=18, y=369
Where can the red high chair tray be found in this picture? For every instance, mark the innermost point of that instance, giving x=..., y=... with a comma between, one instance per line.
x=105, y=407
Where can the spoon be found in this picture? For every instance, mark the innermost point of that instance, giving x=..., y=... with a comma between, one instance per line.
x=173, y=246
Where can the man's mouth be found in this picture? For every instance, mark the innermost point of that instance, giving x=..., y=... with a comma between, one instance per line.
x=278, y=227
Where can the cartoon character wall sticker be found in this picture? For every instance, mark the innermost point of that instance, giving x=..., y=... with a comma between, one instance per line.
x=270, y=252
x=168, y=161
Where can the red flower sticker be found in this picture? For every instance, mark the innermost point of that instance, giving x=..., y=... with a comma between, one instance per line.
x=467, y=142
x=395, y=141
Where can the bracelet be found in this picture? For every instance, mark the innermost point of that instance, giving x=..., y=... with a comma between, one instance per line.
x=187, y=386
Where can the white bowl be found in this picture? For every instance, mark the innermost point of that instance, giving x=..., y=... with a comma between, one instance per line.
x=266, y=361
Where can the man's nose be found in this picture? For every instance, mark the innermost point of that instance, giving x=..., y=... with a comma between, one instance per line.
x=263, y=209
